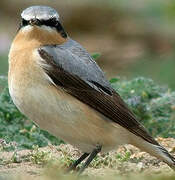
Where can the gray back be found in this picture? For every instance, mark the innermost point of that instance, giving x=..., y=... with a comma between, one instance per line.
x=73, y=58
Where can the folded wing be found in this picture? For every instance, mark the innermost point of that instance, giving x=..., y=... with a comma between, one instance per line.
x=72, y=68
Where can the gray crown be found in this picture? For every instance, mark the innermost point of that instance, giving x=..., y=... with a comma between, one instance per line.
x=39, y=12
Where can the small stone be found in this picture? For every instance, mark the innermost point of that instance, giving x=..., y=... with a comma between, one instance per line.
x=140, y=166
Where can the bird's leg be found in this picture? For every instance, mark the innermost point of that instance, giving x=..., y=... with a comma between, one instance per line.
x=78, y=161
x=90, y=158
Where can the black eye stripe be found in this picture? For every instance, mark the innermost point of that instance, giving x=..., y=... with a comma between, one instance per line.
x=50, y=22
x=24, y=22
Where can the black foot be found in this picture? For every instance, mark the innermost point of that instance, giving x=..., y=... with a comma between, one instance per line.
x=78, y=161
x=90, y=158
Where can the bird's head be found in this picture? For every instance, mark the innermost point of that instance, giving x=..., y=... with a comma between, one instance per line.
x=43, y=18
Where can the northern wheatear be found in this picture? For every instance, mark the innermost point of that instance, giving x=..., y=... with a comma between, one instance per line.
x=54, y=81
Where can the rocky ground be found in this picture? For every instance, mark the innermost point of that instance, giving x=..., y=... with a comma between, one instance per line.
x=42, y=163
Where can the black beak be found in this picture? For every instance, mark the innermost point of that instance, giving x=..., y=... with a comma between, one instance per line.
x=34, y=22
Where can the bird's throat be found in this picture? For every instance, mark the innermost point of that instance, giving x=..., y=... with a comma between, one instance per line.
x=34, y=36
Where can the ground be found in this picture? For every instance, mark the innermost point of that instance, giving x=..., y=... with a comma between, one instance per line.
x=41, y=163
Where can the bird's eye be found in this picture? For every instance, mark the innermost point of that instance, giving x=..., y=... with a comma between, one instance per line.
x=24, y=22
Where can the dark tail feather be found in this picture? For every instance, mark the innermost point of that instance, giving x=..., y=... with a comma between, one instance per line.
x=171, y=159
x=156, y=150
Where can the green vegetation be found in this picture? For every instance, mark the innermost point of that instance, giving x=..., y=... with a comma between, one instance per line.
x=3, y=64
x=39, y=157
x=95, y=56
x=153, y=105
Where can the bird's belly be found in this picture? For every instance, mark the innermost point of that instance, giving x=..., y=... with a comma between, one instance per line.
x=68, y=118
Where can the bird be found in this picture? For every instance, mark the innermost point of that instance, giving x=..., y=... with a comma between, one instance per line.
x=56, y=83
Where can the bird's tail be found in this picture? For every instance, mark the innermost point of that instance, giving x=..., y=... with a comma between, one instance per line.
x=156, y=150
x=165, y=156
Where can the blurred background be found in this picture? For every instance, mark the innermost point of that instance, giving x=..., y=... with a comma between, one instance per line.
x=134, y=38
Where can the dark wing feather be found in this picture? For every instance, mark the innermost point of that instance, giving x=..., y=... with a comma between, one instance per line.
x=90, y=90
